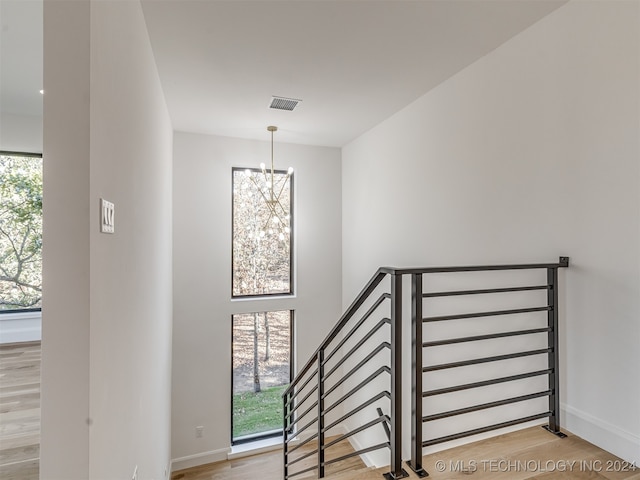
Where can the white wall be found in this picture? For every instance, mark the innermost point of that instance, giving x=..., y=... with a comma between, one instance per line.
x=64, y=443
x=131, y=271
x=202, y=275
x=107, y=307
x=530, y=153
x=20, y=133
x=19, y=326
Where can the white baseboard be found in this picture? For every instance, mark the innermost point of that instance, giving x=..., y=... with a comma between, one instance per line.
x=244, y=451
x=601, y=433
x=199, y=459
x=254, y=448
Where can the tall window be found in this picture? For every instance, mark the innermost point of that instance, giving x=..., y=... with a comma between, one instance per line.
x=262, y=241
x=261, y=266
x=262, y=352
x=20, y=231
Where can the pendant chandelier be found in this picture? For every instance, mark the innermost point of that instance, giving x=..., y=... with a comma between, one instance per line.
x=279, y=217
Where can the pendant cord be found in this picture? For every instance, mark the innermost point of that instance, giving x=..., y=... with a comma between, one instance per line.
x=272, y=170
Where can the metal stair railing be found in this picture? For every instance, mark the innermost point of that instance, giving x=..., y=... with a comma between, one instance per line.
x=328, y=379
x=418, y=420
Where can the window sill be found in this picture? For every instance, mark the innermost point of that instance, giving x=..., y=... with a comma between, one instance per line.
x=253, y=448
x=253, y=298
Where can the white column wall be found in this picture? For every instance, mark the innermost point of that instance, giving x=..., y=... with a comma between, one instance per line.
x=202, y=275
x=64, y=441
x=530, y=153
x=131, y=270
x=107, y=304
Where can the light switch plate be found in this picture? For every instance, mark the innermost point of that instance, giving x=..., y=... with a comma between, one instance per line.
x=107, y=213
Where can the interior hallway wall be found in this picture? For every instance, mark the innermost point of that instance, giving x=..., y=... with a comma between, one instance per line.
x=530, y=153
x=107, y=304
x=202, y=275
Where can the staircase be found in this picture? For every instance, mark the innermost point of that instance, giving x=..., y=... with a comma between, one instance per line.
x=351, y=389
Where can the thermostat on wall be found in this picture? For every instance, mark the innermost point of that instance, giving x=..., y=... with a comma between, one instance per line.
x=107, y=211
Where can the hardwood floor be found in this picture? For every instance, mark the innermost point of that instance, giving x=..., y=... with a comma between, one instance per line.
x=269, y=466
x=20, y=411
x=532, y=453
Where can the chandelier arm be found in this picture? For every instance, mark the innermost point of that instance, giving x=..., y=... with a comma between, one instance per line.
x=284, y=184
x=281, y=222
x=270, y=206
x=266, y=223
x=260, y=190
x=253, y=180
x=274, y=213
x=279, y=195
x=282, y=208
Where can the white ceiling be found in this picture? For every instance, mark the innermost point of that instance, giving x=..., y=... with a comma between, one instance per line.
x=353, y=62
x=21, y=57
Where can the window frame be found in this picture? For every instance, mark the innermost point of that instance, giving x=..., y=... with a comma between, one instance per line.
x=11, y=153
x=292, y=268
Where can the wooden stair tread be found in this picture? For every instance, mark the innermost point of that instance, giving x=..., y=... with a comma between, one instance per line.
x=360, y=474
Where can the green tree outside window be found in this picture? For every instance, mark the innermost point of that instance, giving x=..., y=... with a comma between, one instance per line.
x=20, y=231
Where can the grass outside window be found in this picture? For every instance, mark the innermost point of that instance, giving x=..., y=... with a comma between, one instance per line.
x=257, y=412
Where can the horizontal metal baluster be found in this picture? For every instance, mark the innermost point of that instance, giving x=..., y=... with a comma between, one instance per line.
x=477, y=361
x=371, y=401
x=302, y=415
x=357, y=387
x=358, y=452
x=490, y=336
x=485, y=314
x=369, y=312
x=484, y=406
x=346, y=356
x=483, y=291
x=484, y=383
x=489, y=428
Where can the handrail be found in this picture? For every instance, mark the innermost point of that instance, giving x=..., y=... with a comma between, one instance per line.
x=295, y=397
x=562, y=262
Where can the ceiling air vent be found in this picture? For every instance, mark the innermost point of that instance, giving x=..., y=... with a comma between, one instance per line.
x=282, y=103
